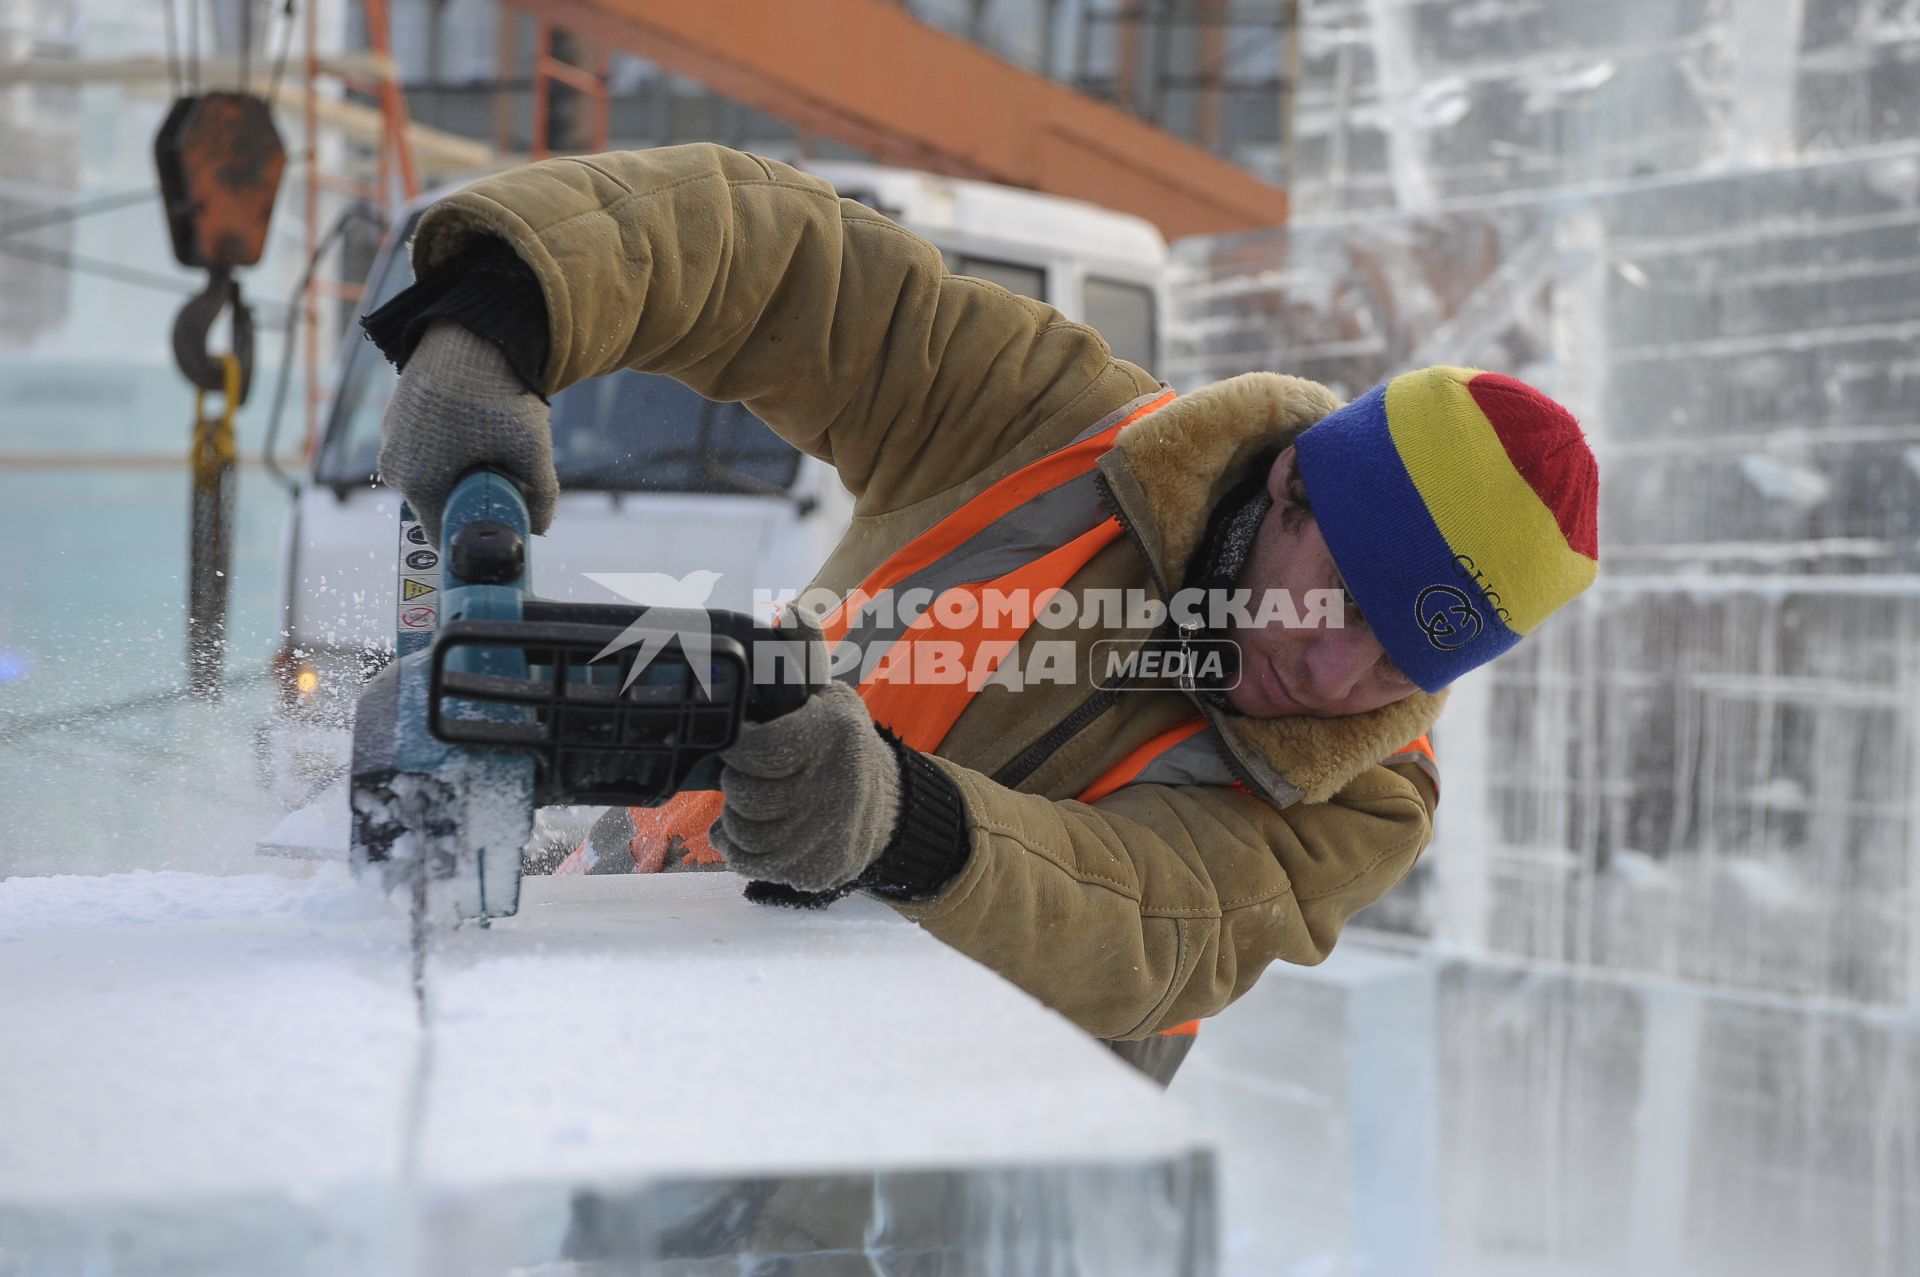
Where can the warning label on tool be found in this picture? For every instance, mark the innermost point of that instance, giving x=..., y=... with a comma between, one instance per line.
x=419, y=578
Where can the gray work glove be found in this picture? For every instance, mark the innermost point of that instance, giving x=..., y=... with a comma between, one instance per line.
x=460, y=405
x=811, y=797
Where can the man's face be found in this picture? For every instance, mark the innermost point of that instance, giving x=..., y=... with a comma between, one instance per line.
x=1324, y=671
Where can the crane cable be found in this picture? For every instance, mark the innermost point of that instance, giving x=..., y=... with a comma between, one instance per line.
x=280, y=60
x=210, y=541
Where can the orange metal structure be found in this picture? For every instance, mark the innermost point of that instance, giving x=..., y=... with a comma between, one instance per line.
x=394, y=158
x=590, y=81
x=870, y=75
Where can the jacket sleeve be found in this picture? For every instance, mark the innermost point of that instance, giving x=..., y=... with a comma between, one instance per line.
x=1162, y=904
x=748, y=280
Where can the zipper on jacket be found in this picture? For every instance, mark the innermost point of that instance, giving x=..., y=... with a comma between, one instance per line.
x=1189, y=681
x=1029, y=759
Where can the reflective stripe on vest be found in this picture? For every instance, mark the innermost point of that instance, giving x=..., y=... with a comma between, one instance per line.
x=1419, y=752
x=1182, y=755
x=1027, y=534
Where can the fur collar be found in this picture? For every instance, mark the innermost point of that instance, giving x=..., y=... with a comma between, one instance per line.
x=1169, y=469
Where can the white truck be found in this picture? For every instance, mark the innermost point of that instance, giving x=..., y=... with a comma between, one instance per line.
x=654, y=478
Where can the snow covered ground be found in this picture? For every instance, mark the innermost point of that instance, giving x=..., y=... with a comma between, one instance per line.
x=226, y=1074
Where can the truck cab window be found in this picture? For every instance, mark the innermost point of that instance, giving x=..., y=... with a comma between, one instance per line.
x=1015, y=277
x=1123, y=314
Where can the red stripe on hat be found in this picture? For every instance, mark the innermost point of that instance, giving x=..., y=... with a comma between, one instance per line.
x=1545, y=445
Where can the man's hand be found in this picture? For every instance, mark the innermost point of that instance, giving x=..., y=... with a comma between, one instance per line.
x=460, y=406
x=812, y=797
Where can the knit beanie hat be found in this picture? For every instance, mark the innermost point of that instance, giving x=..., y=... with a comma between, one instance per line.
x=1461, y=508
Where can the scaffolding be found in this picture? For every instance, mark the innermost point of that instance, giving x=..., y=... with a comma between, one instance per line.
x=566, y=70
x=373, y=75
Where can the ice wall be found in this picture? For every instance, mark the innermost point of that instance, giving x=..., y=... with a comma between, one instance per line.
x=1412, y=103
x=1419, y=1116
x=1705, y=768
x=1594, y=1124
x=1672, y=905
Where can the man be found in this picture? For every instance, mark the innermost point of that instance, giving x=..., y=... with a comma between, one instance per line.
x=1133, y=857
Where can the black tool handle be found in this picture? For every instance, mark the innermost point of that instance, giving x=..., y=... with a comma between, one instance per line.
x=611, y=700
x=769, y=649
x=767, y=701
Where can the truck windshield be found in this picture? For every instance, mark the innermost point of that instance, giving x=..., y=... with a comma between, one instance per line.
x=628, y=432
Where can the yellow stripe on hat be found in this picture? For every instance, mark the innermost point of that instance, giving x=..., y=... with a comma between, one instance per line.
x=1483, y=507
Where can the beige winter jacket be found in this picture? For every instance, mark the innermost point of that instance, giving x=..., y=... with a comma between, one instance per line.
x=748, y=280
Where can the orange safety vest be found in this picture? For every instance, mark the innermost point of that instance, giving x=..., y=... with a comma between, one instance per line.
x=1030, y=531
x=1419, y=752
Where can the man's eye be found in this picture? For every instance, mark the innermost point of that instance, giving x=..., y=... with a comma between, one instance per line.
x=1355, y=617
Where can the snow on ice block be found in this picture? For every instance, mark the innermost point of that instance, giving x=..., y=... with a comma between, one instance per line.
x=224, y=1075
x=196, y=1067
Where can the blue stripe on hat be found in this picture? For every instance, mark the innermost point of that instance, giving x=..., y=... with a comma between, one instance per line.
x=1425, y=610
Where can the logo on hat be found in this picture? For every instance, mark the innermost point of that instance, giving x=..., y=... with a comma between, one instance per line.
x=1447, y=617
